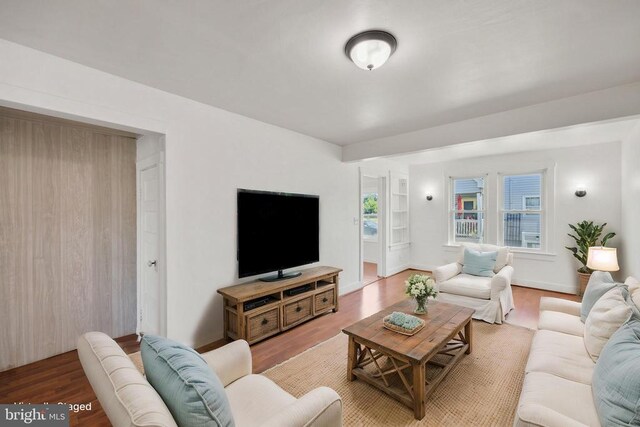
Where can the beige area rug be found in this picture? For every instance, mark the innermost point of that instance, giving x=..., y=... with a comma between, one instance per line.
x=482, y=390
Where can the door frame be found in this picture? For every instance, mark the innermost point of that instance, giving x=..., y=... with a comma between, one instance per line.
x=382, y=222
x=142, y=165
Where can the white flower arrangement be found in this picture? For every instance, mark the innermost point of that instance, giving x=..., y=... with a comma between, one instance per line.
x=420, y=287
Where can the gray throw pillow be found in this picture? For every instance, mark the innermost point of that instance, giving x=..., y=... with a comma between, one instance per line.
x=189, y=387
x=599, y=284
x=616, y=378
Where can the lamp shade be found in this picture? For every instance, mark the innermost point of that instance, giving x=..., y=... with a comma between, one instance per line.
x=602, y=259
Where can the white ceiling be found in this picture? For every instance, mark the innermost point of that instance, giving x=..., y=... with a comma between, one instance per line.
x=282, y=61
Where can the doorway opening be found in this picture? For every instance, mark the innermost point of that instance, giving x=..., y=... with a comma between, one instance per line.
x=373, y=236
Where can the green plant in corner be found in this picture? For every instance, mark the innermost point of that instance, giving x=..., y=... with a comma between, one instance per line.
x=586, y=235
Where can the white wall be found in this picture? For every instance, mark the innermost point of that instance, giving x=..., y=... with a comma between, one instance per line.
x=630, y=252
x=596, y=166
x=209, y=154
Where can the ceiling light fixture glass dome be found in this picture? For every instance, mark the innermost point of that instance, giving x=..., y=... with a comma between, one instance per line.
x=370, y=49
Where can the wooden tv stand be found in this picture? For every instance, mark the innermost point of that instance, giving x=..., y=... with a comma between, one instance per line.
x=282, y=311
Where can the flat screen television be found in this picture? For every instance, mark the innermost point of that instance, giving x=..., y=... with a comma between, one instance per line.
x=276, y=231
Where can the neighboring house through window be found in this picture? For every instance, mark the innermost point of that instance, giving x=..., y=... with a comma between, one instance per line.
x=466, y=210
x=522, y=214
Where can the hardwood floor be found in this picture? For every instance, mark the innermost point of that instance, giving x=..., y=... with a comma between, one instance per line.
x=369, y=273
x=61, y=378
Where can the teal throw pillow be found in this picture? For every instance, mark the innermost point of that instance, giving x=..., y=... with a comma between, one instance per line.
x=599, y=284
x=616, y=378
x=189, y=387
x=479, y=263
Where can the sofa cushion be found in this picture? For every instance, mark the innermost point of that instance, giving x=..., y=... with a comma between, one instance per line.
x=599, y=284
x=634, y=293
x=605, y=317
x=191, y=390
x=561, y=322
x=561, y=355
x=632, y=281
x=479, y=263
x=468, y=286
x=126, y=397
x=616, y=379
x=548, y=400
x=501, y=260
x=248, y=403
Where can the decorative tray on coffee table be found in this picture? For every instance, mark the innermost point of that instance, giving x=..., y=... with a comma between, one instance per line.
x=417, y=324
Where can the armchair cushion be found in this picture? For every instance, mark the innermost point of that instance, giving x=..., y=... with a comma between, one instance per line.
x=467, y=285
x=255, y=399
x=190, y=389
x=502, y=259
x=125, y=395
x=321, y=406
x=479, y=263
x=446, y=272
x=231, y=362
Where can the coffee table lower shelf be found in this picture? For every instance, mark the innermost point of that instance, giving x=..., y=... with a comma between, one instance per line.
x=402, y=378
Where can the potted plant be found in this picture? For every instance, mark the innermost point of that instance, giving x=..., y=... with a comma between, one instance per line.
x=420, y=287
x=586, y=235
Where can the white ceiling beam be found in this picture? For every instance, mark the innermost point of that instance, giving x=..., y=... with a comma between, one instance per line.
x=607, y=104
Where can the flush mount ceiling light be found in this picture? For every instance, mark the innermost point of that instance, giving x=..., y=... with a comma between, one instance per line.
x=370, y=49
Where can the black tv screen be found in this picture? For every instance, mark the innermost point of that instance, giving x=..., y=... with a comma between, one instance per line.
x=276, y=231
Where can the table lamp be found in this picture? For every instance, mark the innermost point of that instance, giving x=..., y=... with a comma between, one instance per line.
x=602, y=259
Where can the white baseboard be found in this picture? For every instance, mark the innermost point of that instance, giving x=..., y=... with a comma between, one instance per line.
x=397, y=270
x=354, y=286
x=547, y=286
x=423, y=267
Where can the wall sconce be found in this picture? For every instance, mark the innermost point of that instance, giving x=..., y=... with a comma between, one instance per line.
x=429, y=197
x=581, y=192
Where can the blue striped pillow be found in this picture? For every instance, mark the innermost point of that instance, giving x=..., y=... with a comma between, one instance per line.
x=189, y=387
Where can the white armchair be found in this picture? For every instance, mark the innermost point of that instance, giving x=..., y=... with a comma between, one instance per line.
x=129, y=400
x=490, y=297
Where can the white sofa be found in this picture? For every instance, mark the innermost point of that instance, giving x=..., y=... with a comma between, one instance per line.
x=490, y=297
x=129, y=400
x=557, y=385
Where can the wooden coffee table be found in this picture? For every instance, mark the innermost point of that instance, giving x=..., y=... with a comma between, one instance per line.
x=379, y=356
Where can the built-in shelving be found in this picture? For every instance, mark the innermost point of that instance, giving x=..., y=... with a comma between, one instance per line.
x=399, y=210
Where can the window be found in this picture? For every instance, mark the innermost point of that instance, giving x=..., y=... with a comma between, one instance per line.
x=522, y=213
x=531, y=203
x=466, y=210
x=370, y=216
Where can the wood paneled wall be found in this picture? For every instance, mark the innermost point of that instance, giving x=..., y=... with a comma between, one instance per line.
x=67, y=236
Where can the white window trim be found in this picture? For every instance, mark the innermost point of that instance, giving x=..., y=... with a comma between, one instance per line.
x=543, y=211
x=451, y=238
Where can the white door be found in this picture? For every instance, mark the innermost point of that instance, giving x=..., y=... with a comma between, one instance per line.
x=150, y=291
